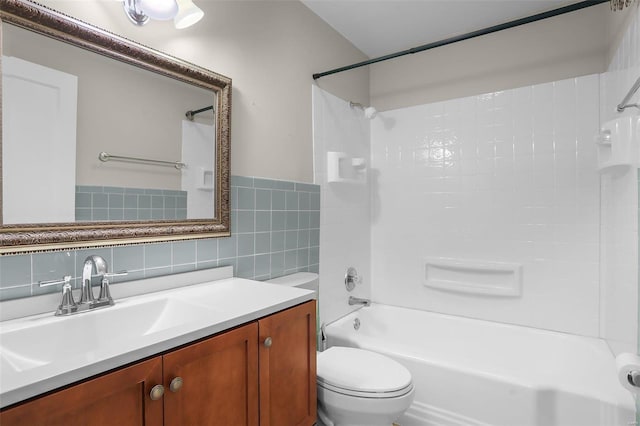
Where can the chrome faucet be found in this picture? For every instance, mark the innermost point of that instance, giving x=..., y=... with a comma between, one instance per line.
x=87, y=300
x=91, y=264
x=98, y=265
x=359, y=301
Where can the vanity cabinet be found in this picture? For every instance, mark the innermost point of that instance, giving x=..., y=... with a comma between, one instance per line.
x=117, y=398
x=288, y=367
x=261, y=373
x=220, y=381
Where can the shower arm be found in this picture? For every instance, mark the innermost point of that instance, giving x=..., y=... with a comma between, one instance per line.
x=369, y=112
x=625, y=102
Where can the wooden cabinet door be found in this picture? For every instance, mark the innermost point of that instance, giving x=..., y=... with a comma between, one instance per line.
x=288, y=367
x=119, y=398
x=219, y=381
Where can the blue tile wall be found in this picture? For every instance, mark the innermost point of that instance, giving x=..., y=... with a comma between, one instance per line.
x=275, y=229
x=120, y=203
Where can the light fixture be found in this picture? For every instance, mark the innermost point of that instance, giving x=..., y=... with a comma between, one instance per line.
x=188, y=14
x=134, y=13
x=183, y=12
x=162, y=10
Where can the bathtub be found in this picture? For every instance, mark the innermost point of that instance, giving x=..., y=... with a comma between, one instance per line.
x=473, y=372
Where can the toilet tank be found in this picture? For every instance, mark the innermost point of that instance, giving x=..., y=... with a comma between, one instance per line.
x=306, y=280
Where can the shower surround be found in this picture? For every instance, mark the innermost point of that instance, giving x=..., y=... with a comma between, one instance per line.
x=501, y=189
x=339, y=128
x=485, y=207
x=507, y=176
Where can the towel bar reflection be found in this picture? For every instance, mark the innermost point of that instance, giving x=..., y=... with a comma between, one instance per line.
x=104, y=156
x=624, y=104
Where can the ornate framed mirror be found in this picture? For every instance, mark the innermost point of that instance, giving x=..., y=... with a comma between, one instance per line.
x=106, y=141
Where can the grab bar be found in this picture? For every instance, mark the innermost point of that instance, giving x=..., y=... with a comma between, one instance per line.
x=104, y=156
x=622, y=105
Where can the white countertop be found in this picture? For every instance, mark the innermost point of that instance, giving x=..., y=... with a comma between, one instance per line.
x=94, y=342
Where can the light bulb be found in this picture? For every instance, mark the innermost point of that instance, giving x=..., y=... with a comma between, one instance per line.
x=159, y=9
x=188, y=14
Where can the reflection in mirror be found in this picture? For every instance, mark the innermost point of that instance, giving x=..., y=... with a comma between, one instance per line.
x=96, y=146
x=64, y=106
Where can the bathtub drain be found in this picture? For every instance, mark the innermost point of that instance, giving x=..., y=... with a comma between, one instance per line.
x=356, y=323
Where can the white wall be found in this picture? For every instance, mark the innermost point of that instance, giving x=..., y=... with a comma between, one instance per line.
x=269, y=49
x=619, y=230
x=344, y=215
x=553, y=49
x=504, y=177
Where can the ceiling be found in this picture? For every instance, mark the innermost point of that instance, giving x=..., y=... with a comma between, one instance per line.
x=381, y=27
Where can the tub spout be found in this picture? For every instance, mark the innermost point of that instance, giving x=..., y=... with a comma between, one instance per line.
x=323, y=338
x=359, y=301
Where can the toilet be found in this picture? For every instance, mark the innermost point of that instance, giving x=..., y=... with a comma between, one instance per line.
x=356, y=387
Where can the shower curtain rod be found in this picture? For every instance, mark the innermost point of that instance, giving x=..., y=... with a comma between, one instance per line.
x=467, y=36
x=192, y=113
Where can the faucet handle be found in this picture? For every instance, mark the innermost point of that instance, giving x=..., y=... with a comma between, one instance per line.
x=352, y=278
x=116, y=274
x=67, y=304
x=105, y=294
x=65, y=280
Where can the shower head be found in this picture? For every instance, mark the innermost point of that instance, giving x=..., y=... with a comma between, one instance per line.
x=369, y=112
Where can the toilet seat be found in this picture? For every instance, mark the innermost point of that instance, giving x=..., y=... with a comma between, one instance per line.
x=361, y=394
x=361, y=373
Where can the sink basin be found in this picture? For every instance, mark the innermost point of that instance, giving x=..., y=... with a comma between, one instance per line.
x=85, y=333
x=42, y=352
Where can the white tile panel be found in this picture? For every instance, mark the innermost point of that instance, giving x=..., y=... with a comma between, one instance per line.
x=345, y=207
x=495, y=178
x=619, y=209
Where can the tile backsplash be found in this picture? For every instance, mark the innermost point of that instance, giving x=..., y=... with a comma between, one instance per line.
x=275, y=228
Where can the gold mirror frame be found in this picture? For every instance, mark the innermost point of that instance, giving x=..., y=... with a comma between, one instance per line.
x=45, y=237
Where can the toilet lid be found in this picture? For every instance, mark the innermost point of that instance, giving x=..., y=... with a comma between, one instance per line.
x=360, y=370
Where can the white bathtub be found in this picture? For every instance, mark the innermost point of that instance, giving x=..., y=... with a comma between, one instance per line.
x=473, y=372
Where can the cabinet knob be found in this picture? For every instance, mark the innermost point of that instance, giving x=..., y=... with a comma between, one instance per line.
x=175, y=384
x=268, y=342
x=156, y=392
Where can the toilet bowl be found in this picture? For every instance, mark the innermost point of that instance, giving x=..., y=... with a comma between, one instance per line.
x=356, y=387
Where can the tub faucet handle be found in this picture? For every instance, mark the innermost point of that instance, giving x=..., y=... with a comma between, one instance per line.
x=352, y=278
